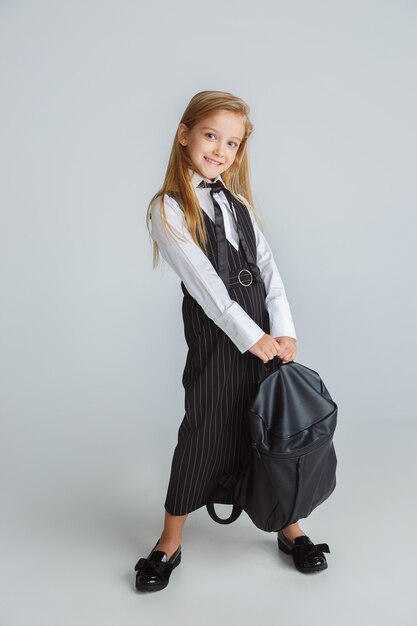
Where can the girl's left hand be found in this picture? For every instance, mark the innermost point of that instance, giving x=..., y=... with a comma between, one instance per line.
x=288, y=348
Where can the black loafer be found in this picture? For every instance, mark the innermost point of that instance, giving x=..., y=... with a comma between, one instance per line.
x=307, y=556
x=153, y=572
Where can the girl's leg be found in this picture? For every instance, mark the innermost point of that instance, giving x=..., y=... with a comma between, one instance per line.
x=171, y=536
x=292, y=531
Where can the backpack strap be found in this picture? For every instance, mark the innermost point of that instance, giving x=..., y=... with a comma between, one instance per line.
x=236, y=511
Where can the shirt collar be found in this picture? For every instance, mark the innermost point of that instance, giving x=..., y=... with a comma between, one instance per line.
x=196, y=178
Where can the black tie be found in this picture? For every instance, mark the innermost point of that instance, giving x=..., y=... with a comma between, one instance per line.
x=222, y=261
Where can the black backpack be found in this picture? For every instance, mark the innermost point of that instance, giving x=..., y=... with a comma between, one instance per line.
x=291, y=467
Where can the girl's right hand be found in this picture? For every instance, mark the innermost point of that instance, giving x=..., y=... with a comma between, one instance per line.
x=266, y=348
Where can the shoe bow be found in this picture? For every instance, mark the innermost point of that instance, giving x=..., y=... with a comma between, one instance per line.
x=160, y=568
x=310, y=549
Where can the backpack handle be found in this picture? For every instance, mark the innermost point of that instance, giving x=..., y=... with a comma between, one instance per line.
x=269, y=367
x=236, y=511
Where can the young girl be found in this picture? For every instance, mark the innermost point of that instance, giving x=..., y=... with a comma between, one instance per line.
x=235, y=311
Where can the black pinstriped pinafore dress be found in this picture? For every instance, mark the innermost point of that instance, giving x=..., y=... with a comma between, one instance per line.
x=213, y=437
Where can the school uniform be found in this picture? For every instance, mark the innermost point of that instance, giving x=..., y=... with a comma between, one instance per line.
x=221, y=322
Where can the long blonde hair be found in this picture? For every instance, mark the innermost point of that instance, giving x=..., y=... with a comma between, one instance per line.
x=177, y=178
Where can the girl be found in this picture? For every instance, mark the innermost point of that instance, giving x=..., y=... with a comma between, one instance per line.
x=235, y=312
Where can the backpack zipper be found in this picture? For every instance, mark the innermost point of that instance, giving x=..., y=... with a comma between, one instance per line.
x=287, y=455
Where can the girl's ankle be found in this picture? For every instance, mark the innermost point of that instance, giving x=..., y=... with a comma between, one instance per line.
x=170, y=541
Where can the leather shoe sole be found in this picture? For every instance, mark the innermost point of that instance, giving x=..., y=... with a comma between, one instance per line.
x=307, y=556
x=153, y=572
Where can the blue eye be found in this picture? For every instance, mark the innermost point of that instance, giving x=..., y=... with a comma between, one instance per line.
x=235, y=145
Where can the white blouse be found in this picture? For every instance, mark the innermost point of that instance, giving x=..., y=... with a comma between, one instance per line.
x=203, y=282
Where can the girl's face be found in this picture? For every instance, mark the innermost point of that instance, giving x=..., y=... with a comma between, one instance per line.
x=213, y=142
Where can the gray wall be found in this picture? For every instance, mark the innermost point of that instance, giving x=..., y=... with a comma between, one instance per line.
x=92, y=346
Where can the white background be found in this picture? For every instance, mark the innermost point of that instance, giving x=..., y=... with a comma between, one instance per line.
x=92, y=346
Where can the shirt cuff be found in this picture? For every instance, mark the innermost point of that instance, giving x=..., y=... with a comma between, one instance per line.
x=280, y=319
x=239, y=327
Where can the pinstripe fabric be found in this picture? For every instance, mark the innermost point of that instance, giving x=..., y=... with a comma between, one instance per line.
x=214, y=437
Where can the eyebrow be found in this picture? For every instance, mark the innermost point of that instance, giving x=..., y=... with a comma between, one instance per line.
x=210, y=128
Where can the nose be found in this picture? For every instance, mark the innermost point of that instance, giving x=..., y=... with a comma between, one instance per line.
x=219, y=149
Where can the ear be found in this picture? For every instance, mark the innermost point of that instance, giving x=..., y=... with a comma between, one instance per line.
x=182, y=134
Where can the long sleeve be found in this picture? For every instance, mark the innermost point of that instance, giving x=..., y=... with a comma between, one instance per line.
x=200, y=277
x=277, y=304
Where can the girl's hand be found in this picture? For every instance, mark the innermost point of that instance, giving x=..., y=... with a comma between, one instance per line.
x=288, y=348
x=267, y=347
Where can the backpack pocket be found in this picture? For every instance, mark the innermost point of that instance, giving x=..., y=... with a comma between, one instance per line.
x=316, y=479
x=289, y=486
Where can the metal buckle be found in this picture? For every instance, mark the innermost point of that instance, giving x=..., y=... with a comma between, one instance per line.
x=250, y=274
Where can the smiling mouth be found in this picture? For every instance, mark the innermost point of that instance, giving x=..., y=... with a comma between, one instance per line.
x=212, y=161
